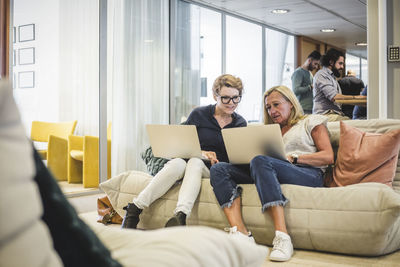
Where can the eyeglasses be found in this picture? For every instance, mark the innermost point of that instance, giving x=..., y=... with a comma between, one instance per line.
x=226, y=99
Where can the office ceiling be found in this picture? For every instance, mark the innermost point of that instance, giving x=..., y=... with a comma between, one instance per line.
x=308, y=17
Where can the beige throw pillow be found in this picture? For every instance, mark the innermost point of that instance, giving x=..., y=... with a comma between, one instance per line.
x=365, y=157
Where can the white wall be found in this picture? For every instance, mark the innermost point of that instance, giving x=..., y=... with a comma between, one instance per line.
x=383, y=76
x=393, y=68
x=40, y=102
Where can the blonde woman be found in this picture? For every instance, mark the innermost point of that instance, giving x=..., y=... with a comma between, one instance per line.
x=308, y=151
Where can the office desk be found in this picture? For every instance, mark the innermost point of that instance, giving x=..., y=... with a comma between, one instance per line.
x=357, y=102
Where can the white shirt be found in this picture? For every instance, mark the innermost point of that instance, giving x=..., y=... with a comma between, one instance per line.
x=298, y=139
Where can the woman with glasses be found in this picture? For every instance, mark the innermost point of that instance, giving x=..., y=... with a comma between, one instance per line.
x=308, y=151
x=209, y=121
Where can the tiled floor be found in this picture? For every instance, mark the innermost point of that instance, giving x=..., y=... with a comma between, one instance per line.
x=74, y=188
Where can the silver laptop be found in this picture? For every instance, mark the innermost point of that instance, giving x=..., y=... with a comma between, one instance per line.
x=244, y=143
x=174, y=141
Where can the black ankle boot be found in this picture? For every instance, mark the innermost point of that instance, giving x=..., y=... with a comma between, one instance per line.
x=177, y=220
x=131, y=218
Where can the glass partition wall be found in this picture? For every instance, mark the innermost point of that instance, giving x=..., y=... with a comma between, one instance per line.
x=115, y=66
x=207, y=42
x=358, y=65
x=56, y=85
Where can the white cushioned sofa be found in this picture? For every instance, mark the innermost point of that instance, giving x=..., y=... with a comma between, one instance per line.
x=40, y=228
x=360, y=219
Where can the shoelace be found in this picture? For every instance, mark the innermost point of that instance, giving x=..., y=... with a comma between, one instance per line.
x=233, y=230
x=279, y=244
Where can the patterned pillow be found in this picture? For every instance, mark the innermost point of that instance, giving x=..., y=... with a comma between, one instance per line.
x=154, y=164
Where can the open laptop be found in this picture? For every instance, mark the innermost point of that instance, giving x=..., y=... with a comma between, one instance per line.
x=244, y=143
x=174, y=141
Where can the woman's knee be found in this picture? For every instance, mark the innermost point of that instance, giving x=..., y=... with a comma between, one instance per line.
x=260, y=160
x=177, y=164
x=217, y=171
x=195, y=163
x=259, y=165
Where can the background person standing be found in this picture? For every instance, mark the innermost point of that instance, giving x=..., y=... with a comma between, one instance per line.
x=350, y=85
x=302, y=80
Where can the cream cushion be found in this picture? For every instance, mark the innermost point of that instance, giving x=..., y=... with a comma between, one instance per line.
x=361, y=219
x=177, y=246
x=21, y=227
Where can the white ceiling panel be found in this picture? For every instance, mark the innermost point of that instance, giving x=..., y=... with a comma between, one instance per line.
x=308, y=17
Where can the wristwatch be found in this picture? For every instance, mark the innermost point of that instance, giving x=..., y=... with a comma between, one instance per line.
x=295, y=157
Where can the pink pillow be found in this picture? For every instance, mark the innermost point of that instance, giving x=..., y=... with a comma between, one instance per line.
x=365, y=157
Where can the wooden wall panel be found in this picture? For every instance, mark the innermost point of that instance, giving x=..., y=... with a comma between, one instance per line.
x=4, y=37
x=306, y=45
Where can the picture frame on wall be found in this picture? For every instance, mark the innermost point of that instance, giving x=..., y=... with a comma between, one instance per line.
x=26, y=32
x=14, y=34
x=26, y=79
x=14, y=81
x=26, y=56
x=14, y=57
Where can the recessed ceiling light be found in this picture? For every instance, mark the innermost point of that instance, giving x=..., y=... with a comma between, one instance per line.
x=280, y=11
x=361, y=44
x=328, y=30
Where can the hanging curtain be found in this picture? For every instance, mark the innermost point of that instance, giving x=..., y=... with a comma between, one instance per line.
x=139, y=77
x=186, y=92
x=79, y=64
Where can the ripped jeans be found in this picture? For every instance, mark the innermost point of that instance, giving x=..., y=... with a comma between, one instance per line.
x=267, y=174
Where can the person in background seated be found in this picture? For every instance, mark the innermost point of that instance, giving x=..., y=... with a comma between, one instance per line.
x=360, y=112
x=302, y=80
x=350, y=85
x=209, y=121
x=308, y=151
x=325, y=87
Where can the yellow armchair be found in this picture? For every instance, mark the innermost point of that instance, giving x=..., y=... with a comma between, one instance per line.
x=83, y=159
x=55, y=134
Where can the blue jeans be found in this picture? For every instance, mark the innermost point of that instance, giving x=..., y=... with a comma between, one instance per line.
x=267, y=174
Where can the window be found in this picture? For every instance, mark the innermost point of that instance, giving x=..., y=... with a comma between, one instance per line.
x=244, y=59
x=210, y=53
x=198, y=52
x=364, y=71
x=279, y=58
x=353, y=63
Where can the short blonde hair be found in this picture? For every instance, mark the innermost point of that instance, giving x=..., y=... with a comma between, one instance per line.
x=228, y=81
x=296, y=113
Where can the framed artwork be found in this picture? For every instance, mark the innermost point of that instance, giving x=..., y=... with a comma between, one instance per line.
x=26, y=32
x=14, y=81
x=14, y=57
x=26, y=79
x=14, y=34
x=26, y=56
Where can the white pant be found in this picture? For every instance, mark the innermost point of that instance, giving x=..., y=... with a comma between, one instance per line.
x=174, y=170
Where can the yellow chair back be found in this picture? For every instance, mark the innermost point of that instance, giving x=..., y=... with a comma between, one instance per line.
x=40, y=130
x=109, y=130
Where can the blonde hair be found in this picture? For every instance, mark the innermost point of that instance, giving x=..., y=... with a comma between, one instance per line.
x=228, y=81
x=296, y=114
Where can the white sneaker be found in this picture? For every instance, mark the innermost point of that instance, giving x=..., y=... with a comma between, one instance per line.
x=234, y=232
x=283, y=247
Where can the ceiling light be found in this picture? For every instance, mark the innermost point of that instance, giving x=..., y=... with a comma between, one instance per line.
x=361, y=44
x=280, y=11
x=328, y=30
x=148, y=41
